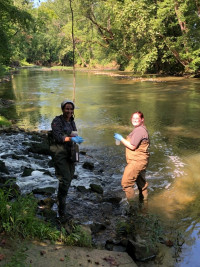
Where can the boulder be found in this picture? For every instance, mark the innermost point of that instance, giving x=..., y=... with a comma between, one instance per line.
x=40, y=148
x=140, y=250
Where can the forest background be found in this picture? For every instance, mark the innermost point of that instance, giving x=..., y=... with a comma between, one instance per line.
x=143, y=36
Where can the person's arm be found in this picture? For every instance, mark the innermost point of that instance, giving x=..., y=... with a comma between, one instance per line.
x=135, y=138
x=125, y=142
x=67, y=139
x=128, y=144
x=57, y=130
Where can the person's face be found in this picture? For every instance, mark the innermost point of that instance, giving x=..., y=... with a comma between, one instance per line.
x=68, y=111
x=136, y=120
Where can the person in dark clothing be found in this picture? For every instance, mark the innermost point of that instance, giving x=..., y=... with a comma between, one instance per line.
x=63, y=128
x=137, y=158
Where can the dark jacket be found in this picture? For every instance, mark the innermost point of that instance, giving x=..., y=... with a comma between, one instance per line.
x=62, y=128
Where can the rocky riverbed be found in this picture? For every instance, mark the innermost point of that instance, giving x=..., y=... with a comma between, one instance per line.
x=95, y=198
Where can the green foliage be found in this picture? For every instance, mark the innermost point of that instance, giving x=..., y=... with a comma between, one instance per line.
x=18, y=259
x=147, y=226
x=79, y=237
x=4, y=70
x=18, y=218
x=124, y=228
x=142, y=36
x=13, y=20
x=24, y=63
x=4, y=121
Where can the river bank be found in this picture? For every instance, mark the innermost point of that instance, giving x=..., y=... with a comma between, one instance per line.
x=45, y=254
x=112, y=72
x=103, y=107
x=103, y=213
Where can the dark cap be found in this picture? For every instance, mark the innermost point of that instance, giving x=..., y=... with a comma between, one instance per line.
x=67, y=102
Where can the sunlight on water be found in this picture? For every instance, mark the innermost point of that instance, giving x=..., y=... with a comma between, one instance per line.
x=184, y=190
x=104, y=106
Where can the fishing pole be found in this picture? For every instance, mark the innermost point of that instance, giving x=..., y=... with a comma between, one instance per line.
x=73, y=52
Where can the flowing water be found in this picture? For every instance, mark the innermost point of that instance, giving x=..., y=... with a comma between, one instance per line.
x=104, y=105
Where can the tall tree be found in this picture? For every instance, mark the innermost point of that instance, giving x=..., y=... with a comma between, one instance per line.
x=13, y=19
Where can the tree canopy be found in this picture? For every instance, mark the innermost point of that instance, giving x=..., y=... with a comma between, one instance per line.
x=159, y=36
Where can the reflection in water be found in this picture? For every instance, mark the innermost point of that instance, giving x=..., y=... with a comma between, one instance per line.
x=104, y=106
x=191, y=249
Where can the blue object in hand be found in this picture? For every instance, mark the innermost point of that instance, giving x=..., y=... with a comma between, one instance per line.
x=77, y=139
x=118, y=136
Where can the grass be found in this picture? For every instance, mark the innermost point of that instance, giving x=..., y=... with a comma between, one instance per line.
x=18, y=219
x=79, y=237
x=20, y=223
x=147, y=226
x=18, y=259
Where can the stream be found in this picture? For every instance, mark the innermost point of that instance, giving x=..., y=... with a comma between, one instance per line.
x=104, y=104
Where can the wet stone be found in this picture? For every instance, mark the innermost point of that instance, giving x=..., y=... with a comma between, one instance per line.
x=3, y=167
x=27, y=172
x=44, y=191
x=82, y=189
x=40, y=148
x=139, y=251
x=96, y=188
x=88, y=165
x=106, y=208
x=97, y=227
x=46, y=203
x=5, y=156
x=17, y=157
x=112, y=199
x=46, y=172
x=51, y=163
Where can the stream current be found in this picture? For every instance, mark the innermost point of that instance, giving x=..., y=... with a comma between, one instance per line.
x=104, y=105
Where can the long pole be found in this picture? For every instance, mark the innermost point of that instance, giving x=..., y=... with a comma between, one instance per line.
x=73, y=53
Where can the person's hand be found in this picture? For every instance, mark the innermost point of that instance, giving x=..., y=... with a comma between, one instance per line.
x=118, y=136
x=77, y=139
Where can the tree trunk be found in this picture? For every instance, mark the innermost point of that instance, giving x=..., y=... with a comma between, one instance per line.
x=178, y=14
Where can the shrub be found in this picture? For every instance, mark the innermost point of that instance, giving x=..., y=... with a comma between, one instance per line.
x=4, y=121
